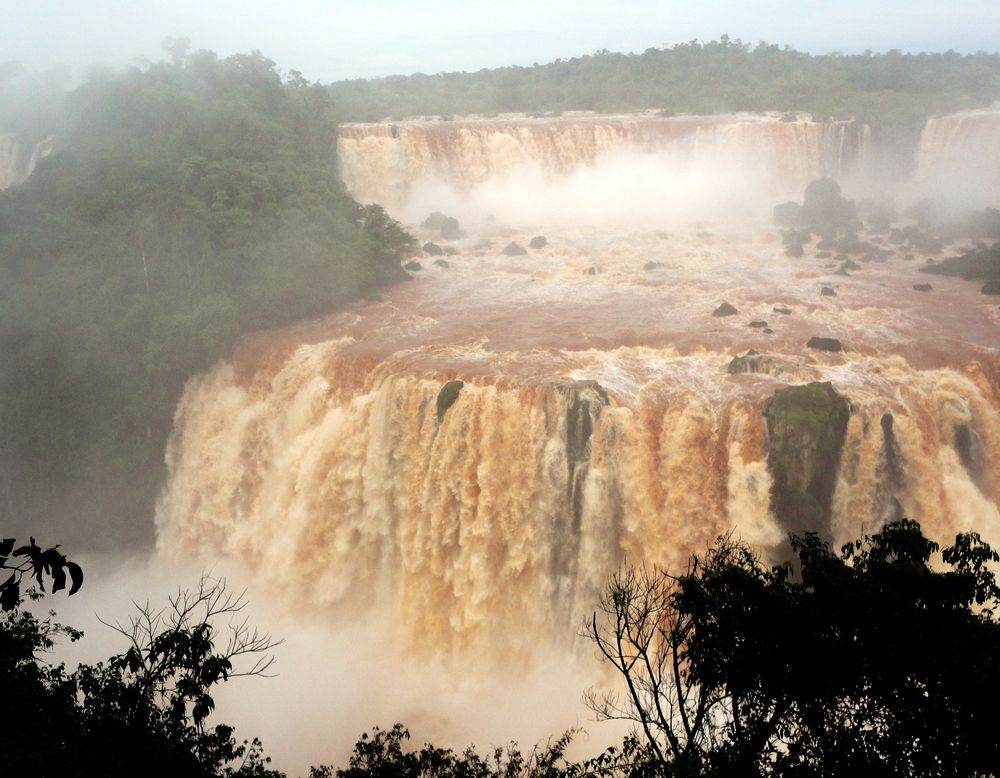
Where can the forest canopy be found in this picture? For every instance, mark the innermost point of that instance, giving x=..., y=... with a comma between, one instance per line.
x=894, y=92
x=188, y=202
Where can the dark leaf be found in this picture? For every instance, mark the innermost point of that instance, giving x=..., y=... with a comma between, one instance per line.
x=10, y=595
x=76, y=576
x=58, y=579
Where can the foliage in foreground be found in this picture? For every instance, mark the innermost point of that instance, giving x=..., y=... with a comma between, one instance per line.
x=868, y=662
x=143, y=712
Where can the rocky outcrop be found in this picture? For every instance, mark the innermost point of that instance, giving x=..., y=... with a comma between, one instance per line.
x=825, y=344
x=753, y=362
x=446, y=225
x=447, y=397
x=725, y=310
x=806, y=427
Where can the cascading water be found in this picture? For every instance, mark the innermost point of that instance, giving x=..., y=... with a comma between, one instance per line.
x=959, y=156
x=18, y=159
x=490, y=162
x=475, y=453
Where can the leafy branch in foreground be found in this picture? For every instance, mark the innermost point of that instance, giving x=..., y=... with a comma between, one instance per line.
x=31, y=559
x=867, y=662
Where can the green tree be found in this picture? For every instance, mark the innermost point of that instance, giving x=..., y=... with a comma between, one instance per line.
x=868, y=662
x=143, y=712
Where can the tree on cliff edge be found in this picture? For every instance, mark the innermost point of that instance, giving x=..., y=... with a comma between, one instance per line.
x=868, y=662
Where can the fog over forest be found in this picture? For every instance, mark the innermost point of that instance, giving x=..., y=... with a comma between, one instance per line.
x=576, y=378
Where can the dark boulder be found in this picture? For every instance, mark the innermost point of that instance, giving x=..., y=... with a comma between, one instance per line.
x=447, y=397
x=825, y=344
x=806, y=427
x=413, y=265
x=758, y=325
x=442, y=263
x=433, y=249
x=653, y=265
x=725, y=310
x=538, y=242
x=590, y=271
x=513, y=249
x=828, y=291
x=922, y=287
x=782, y=310
x=787, y=214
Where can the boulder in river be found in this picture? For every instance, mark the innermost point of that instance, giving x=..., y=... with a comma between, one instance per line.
x=514, y=249
x=725, y=310
x=825, y=344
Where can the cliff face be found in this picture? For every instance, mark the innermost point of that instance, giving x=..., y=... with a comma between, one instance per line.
x=806, y=426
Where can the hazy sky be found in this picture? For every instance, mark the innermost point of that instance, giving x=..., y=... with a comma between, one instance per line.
x=331, y=40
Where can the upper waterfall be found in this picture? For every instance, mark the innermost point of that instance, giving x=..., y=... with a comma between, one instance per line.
x=390, y=163
x=959, y=156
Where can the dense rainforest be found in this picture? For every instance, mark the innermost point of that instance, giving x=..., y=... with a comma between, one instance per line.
x=893, y=92
x=188, y=202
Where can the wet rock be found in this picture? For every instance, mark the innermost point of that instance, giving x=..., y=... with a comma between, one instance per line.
x=413, y=265
x=434, y=221
x=787, y=214
x=758, y=325
x=753, y=362
x=828, y=291
x=782, y=310
x=590, y=271
x=806, y=427
x=442, y=263
x=538, y=242
x=969, y=447
x=447, y=397
x=725, y=310
x=653, y=266
x=433, y=249
x=446, y=225
x=767, y=331
x=514, y=249
x=922, y=287
x=825, y=344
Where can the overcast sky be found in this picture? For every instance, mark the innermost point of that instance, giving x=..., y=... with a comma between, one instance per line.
x=331, y=40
